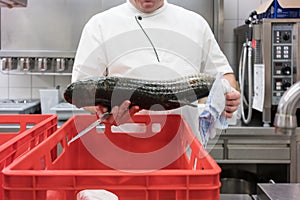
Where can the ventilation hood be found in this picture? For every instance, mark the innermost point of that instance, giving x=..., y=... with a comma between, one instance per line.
x=13, y=3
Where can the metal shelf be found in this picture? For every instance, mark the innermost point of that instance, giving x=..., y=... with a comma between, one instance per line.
x=36, y=73
x=35, y=59
x=37, y=53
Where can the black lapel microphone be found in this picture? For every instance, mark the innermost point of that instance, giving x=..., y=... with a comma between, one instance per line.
x=137, y=19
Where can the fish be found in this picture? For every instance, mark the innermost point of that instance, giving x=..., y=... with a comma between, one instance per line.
x=147, y=94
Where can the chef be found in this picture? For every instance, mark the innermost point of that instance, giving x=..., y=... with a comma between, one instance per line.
x=151, y=39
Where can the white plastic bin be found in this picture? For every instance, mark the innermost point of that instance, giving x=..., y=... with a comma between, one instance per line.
x=49, y=98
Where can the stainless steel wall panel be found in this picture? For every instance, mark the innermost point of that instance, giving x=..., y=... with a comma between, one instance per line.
x=107, y=4
x=211, y=10
x=205, y=8
x=56, y=25
x=46, y=24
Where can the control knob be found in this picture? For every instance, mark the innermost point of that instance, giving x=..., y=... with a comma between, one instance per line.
x=286, y=36
x=286, y=85
x=286, y=70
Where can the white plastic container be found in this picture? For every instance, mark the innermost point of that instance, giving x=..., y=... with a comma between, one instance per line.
x=66, y=110
x=49, y=98
x=96, y=195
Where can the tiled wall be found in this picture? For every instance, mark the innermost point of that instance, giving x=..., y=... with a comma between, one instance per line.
x=27, y=86
x=235, y=13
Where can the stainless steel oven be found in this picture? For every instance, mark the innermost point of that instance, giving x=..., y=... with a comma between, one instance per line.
x=273, y=63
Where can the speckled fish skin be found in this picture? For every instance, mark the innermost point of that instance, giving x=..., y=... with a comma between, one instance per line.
x=147, y=94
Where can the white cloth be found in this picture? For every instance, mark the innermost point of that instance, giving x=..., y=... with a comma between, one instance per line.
x=212, y=118
x=183, y=39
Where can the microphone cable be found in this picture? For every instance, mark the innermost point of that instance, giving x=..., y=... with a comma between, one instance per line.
x=154, y=49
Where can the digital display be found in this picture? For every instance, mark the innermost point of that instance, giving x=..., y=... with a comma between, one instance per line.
x=278, y=64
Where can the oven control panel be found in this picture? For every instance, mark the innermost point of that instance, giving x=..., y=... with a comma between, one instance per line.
x=283, y=61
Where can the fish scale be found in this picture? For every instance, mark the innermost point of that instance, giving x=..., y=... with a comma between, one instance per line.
x=112, y=91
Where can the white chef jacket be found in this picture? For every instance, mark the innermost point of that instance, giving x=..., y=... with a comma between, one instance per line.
x=114, y=44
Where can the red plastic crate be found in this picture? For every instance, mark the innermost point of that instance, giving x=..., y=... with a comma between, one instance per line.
x=27, y=132
x=161, y=161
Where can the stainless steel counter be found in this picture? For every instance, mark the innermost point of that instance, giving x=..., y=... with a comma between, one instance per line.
x=237, y=197
x=268, y=191
x=278, y=191
x=65, y=111
x=19, y=106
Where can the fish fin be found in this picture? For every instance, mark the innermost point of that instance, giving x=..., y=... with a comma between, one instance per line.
x=184, y=103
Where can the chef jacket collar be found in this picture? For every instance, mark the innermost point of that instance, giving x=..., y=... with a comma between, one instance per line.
x=145, y=15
